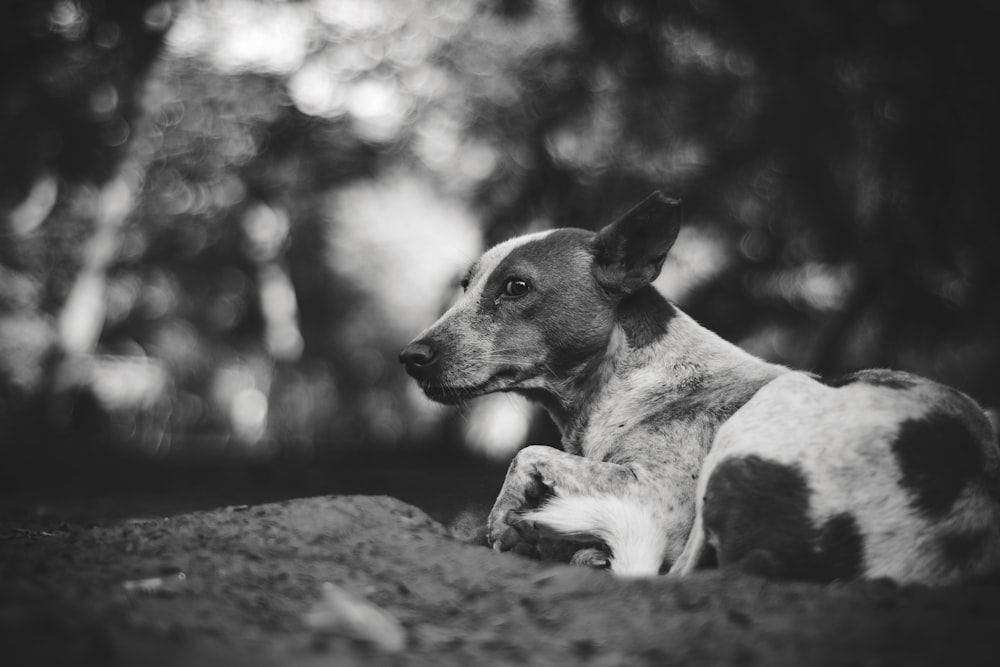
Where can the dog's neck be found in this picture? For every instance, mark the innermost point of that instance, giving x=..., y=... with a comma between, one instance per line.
x=659, y=365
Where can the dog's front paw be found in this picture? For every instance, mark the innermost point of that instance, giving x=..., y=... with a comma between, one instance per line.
x=592, y=557
x=506, y=531
x=523, y=489
x=514, y=535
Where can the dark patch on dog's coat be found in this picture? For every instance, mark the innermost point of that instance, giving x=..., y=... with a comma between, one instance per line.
x=708, y=560
x=961, y=549
x=840, y=540
x=545, y=256
x=877, y=377
x=752, y=503
x=560, y=307
x=645, y=316
x=938, y=455
x=759, y=511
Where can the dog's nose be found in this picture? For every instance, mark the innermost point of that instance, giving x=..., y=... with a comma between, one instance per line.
x=418, y=356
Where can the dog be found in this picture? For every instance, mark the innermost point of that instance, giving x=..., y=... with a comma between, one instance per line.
x=680, y=450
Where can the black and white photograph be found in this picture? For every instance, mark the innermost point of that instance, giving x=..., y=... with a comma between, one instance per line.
x=499, y=332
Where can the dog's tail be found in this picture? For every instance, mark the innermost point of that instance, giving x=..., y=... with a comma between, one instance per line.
x=636, y=541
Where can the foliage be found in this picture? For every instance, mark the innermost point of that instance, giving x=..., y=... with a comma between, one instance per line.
x=302, y=181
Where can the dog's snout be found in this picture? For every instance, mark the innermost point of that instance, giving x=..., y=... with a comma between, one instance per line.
x=418, y=356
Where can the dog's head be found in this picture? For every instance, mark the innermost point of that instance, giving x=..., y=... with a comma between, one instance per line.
x=540, y=308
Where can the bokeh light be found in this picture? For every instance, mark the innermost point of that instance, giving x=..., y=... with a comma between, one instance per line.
x=222, y=218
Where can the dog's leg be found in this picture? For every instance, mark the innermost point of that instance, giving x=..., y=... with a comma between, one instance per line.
x=537, y=471
x=693, y=551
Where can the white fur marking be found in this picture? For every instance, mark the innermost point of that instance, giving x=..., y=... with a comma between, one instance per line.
x=489, y=261
x=492, y=258
x=636, y=541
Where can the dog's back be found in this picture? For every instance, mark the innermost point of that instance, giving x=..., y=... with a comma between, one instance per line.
x=879, y=473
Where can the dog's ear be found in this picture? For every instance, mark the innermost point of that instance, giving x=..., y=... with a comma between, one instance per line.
x=629, y=253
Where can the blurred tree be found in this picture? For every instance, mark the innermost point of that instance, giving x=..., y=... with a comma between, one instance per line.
x=279, y=207
x=70, y=72
x=844, y=149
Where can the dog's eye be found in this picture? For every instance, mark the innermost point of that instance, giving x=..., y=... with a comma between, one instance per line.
x=464, y=282
x=515, y=287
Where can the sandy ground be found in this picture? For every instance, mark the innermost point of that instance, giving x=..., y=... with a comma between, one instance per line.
x=252, y=574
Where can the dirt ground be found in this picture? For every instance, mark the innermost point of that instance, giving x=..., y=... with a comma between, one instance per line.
x=253, y=573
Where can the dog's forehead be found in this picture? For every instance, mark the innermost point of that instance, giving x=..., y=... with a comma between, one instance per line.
x=553, y=246
x=492, y=258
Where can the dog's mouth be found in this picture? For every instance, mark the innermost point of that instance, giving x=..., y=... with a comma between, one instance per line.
x=452, y=394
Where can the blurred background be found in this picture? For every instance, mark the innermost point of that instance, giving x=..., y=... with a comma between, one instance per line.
x=221, y=219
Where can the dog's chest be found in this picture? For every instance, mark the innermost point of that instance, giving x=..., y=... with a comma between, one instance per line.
x=623, y=422
x=641, y=418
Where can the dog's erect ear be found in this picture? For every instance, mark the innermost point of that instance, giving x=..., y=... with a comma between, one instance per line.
x=629, y=253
